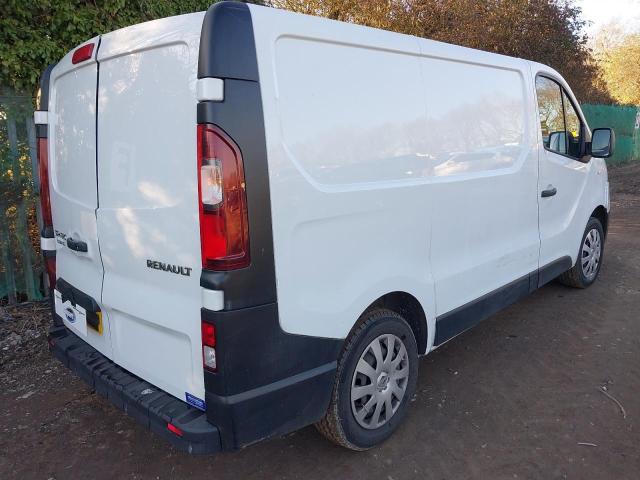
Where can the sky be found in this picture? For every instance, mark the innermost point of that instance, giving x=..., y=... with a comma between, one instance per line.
x=601, y=12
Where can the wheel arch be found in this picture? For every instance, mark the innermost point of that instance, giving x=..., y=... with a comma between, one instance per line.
x=601, y=214
x=410, y=308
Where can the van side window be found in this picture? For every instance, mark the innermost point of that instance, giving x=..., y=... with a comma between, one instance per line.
x=551, y=113
x=574, y=127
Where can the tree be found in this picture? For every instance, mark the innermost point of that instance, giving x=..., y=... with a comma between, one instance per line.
x=617, y=51
x=34, y=34
x=622, y=71
x=546, y=31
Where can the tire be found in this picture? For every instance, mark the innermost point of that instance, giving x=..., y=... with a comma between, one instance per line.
x=579, y=276
x=340, y=424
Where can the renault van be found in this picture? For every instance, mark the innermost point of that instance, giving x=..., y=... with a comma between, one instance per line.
x=256, y=220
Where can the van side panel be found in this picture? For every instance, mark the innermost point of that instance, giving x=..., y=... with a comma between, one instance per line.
x=403, y=164
x=344, y=114
x=483, y=171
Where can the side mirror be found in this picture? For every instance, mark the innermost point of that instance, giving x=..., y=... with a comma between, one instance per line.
x=603, y=142
x=557, y=141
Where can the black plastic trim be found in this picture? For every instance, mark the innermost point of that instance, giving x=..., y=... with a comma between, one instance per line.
x=42, y=130
x=269, y=382
x=45, y=78
x=79, y=298
x=553, y=270
x=47, y=231
x=43, y=103
x=227, y=50
x=146, y=403
x=466, y=316
x=77, y=245
x=227, y=45
x=240, y=117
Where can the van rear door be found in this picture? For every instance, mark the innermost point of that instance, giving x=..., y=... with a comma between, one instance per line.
x=148, y=220
x=74, y=193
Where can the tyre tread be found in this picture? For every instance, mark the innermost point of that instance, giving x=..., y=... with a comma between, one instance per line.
x=329, y=426
x=574, y=277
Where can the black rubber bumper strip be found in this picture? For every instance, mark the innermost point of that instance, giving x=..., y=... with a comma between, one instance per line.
x=150, y=406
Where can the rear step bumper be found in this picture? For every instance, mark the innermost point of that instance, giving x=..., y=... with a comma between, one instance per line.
x=150, y=406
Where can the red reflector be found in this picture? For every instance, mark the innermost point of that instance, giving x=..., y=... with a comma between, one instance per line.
x=224, y=223
x=83, y=53
x=172, y=428
x=208, y=334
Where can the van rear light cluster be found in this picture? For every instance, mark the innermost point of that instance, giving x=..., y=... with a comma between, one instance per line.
x=43, y=170
x=209, y=346
x=224, y=225
x=45, y=206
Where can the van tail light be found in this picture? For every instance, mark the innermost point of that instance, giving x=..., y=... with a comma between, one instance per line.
x=45, y=207
x=43, y=170
x=224, y=224
x=209, y=346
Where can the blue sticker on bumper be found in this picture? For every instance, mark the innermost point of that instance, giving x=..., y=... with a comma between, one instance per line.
x=195, y=401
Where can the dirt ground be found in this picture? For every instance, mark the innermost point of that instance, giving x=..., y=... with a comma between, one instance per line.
x=548, y=388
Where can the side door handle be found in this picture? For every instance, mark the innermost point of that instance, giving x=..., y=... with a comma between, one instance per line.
x=76, y=245
x=549, y=192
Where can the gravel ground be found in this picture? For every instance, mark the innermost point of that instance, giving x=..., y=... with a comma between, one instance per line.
x=548, y=388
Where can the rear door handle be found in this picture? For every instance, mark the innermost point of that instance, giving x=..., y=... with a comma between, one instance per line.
x=549, y=192
x=76, y=245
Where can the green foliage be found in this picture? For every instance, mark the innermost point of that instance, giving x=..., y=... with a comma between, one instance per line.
x=546, y=31
x=34, y=34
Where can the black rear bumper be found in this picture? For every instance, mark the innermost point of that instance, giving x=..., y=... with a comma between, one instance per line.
x=268, y=382
x=150, y=406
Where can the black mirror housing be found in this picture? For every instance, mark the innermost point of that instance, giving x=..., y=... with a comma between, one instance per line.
x=603, y=143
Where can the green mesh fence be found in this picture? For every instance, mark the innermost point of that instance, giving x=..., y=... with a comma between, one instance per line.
x=626, y=123
x=20, y=261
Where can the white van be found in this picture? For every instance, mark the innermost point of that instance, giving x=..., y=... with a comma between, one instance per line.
x=259, y=220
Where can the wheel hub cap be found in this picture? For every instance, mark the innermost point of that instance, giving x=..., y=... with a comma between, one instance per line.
x=591, y=253
x=379, y=381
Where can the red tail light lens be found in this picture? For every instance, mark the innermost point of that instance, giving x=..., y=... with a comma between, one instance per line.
x=209, y=358
x=224, y=225
x=208, y=334
x=43, y=170
x=45, y=205
x=83, y=53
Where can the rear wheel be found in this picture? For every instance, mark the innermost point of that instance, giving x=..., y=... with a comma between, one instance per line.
x=590, y=256
x=375, y=379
